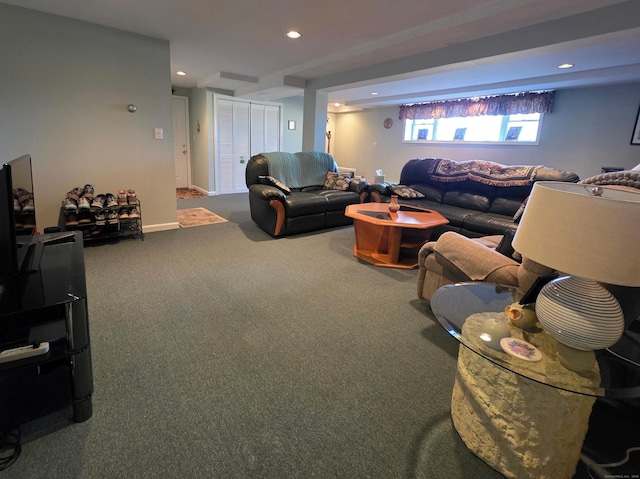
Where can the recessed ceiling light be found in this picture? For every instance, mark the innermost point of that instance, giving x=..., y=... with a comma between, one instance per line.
x=293, y=34
x=181, y=73
x=374, y=93
x=336, y=104
x=566, y=65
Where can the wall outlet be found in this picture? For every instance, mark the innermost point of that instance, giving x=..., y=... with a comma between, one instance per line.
x=158, y=133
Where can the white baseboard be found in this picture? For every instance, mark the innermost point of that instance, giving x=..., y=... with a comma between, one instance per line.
x=203, y=191
x=160, y=227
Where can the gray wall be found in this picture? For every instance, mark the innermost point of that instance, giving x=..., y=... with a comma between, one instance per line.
x=292, y=109
x=202, y=175
x=588, y=128
x=64, y=89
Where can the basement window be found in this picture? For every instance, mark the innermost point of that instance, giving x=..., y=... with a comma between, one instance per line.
x=521, y=129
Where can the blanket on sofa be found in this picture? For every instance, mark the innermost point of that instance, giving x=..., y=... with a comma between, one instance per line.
x=627, y=179
x=298, y=170
x=487, y=172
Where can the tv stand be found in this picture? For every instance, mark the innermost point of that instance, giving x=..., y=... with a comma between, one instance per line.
x=47, y=304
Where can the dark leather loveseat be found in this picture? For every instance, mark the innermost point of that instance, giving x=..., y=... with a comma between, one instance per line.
x=291, y=193
x=479, y=198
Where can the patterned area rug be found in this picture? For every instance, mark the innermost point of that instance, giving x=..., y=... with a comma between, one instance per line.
x=186, y=194
x=198, y=217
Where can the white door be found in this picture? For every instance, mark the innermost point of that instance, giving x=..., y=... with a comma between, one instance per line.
x=265, y=128
x=181, y=140
x=233, y=144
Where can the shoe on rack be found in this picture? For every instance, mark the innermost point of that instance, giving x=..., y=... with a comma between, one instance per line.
x=29, y=221
x=124, y=213
x=98, y=202
x=84, y=203
x=84, y=216
x=122, y=198
x=133, y=213
x=69, y=204
x=88, y=191
x=75, y=194
x=132, y=199
x=100, y=217
x=72, y=219
x=25, y=199
x=112, y=217
x=110, y=201
x=16, y=206
x=27, y=204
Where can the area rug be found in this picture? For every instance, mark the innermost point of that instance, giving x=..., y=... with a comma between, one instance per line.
x=198, y=217
x=187, y=194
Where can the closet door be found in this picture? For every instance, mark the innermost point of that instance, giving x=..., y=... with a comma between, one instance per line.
x=265, y=128
x=233, y=138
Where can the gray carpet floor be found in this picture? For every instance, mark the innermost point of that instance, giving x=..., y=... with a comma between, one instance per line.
x=219, y=352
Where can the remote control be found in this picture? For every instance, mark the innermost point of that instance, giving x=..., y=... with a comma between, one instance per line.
x=24, y=352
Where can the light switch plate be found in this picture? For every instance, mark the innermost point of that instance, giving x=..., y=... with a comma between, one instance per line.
x=158, y=133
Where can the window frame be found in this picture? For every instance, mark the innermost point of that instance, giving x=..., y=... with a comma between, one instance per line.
x=503, y=130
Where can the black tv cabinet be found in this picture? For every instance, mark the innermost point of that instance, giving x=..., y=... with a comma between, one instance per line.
x=47, y=302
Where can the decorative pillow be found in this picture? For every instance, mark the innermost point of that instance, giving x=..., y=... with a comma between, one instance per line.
x=518, y=215
x=405, y=192
x=337, y=181
x=270, y=180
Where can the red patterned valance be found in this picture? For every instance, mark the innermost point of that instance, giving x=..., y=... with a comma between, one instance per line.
x=522, y=103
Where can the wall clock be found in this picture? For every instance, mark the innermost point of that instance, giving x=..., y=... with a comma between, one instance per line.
x=387, y=123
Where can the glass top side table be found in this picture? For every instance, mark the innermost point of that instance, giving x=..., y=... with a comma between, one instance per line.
x=456, y=304
x=525, y=419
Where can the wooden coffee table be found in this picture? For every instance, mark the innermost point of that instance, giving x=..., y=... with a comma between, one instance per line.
x=390, y=239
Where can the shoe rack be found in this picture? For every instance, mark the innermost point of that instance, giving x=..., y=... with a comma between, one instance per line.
x=121, y=219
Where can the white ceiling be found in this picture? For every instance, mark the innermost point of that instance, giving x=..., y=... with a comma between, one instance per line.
x=406, y=50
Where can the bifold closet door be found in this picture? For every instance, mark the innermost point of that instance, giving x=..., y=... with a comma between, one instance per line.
x=265, y=128
x=234, y=144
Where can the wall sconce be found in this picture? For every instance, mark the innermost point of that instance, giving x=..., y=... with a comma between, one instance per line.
x=131, y=108
x=291, y=124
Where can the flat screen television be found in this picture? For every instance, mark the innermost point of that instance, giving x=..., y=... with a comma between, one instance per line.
x=17, y=215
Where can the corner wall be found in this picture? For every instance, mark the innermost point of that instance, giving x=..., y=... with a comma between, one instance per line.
x=64, y=90
x=588, y=128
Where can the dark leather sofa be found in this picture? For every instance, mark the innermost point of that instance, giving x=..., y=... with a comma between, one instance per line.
x=292, y=193
x=479, y=198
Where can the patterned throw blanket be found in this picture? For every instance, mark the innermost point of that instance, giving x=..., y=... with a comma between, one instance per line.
x=487, y=172
x=627, y=179
x=298, y=170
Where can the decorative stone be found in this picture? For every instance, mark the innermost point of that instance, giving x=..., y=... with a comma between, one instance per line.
x=520, y=427
x=522, y=317
x=492, y=330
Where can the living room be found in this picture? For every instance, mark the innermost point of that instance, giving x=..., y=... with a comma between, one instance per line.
x=89, y=74
x=290, y=393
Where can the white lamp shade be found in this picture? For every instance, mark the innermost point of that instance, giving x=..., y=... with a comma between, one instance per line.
x=567, y=228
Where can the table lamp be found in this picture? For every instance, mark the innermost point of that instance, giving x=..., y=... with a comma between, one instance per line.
x=590, y=233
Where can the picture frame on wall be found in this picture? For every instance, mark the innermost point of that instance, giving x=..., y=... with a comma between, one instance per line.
x=635, y=138
x=513, y=133
x=459, y=133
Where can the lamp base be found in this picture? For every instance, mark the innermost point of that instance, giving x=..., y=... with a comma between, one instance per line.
x=575, y=359
x=580, y=313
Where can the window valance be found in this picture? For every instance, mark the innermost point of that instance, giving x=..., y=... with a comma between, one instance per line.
x=522, y=103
